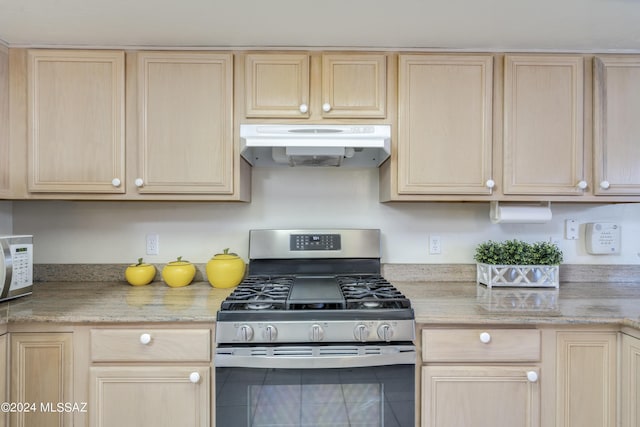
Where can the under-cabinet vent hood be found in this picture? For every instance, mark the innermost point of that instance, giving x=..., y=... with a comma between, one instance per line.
x=315, y=145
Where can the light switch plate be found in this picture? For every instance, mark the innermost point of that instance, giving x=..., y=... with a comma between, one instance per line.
x=571, y=229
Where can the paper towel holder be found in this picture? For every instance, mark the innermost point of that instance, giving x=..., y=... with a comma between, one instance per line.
x=520, y=213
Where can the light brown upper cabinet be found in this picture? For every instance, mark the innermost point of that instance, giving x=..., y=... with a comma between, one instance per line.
x=75, y=110
x=185, y=123
x=316, y=86
x=543, y=125
x=617, y=125
x=444, y=143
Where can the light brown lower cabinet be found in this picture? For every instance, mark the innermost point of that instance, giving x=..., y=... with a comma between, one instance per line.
x=480, y=396
x=3, y=377
x=139, y=396
x=630, y=381
x=41, y=377
x=512, y=377
x=150, y=377
x=586, y=378
x=480, y=377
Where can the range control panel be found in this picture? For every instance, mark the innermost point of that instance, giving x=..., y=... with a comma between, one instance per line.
x=315, y=242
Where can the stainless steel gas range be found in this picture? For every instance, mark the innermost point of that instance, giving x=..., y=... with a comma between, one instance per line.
x=315, y=336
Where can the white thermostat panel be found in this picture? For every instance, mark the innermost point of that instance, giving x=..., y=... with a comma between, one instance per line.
x=602, y=238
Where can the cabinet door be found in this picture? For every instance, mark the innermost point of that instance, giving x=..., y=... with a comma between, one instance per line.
x=354, y=85
x=479, y=396
x=3, y=377
x=616, y=125
x=543, y=124
x=144, y=396
x=41, y=373
x=277, y=85
x=630, y=382
x=76, y=121
x=445, y=124
x=586, y=379
x=186, y=123
x=4, y=121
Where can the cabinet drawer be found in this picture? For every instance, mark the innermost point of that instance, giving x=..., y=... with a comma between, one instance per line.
x=480, y=345
x=150, y=345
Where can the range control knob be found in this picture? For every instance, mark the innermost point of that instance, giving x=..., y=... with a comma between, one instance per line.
x=270, y=333
x=245, y=333
x=316, y=333
x=361, y=332
x=385, y=332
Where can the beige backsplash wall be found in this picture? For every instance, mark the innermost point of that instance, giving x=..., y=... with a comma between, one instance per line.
x=67, y=232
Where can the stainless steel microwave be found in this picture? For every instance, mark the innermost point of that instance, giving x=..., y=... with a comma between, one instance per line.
x=16, y=266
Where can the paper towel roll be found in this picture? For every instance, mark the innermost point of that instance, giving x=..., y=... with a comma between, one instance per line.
x=520, y=213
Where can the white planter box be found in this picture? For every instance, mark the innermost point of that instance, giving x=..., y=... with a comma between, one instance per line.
x=532, y=276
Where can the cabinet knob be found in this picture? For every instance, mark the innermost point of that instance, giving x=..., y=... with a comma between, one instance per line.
x=490, y=183
x=138, y=182
x=304, y=108
x=115, y=182
x=326, y=107
x=145, y=339
x=194, y=377
x=485, y=337
x=532, y=376
x=604, y=185
x=582, y=185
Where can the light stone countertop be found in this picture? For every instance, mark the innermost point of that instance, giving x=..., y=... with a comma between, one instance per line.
x=572, y=303
x=433, y=303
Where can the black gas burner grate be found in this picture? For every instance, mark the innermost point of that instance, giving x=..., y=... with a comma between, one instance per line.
x=260, y=293
x=371, y=292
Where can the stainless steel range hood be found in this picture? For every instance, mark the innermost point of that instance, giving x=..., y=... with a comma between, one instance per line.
x=315, y=145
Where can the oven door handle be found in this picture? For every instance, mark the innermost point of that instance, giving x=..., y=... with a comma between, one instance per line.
x=314, y=357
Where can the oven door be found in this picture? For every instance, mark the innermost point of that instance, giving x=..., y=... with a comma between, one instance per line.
x=316, y=386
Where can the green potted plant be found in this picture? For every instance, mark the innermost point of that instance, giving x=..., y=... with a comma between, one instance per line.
x=518, y=263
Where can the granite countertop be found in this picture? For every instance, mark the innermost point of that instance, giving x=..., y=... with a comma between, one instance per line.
x=433, y=302
x=572, y=303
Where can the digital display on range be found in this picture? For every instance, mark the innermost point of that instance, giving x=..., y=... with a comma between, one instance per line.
x=315, y=242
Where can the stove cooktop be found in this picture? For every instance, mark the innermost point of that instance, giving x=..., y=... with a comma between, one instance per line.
x=316, y=293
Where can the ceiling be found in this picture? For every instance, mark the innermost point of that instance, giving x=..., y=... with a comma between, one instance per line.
x=566, y=25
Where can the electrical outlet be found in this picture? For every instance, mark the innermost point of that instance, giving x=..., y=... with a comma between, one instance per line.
x=434, y=245
x=153, y=244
